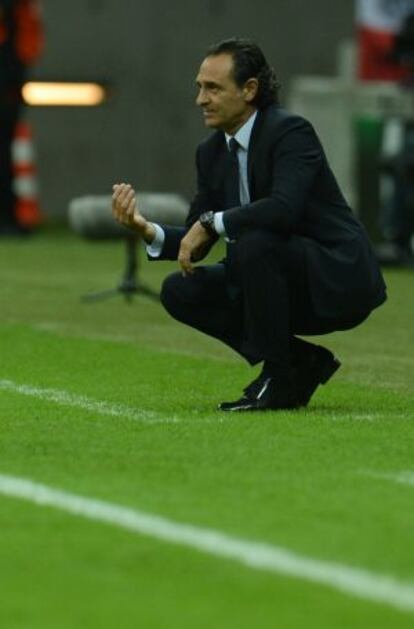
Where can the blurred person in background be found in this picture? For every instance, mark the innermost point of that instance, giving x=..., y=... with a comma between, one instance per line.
x=297, y=260
x=397, y=159
x=385, y=36
x=21, y=41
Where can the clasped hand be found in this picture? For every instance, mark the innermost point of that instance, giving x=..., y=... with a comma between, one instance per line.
x=194, y=247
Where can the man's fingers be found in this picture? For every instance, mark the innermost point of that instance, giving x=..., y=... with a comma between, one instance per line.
x=123, y=199
x=130, y=210
x=123, y=202
x=121, y=192
x=187, y=269
x=117, y=197
x=118, y=189
x=129, y=200
x=184, y=259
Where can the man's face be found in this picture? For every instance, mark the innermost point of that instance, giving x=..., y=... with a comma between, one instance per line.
x=225, y=105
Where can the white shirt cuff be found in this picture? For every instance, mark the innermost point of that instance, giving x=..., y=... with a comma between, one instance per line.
x=219, y=223
x=155, y=247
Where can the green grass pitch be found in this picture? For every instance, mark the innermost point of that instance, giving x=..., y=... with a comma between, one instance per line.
x=334, y=482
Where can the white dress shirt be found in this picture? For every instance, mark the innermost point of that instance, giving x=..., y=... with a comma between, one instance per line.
x=243, y=138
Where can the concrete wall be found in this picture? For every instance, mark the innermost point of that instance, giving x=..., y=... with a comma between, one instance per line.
x=149, y=52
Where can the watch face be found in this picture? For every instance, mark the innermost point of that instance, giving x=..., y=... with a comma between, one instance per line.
x=206, y=217
x=207, y=221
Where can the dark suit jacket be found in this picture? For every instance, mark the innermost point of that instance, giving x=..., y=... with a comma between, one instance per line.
x=294, y=193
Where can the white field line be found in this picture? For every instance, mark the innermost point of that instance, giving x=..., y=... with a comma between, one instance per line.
x=368, y=417
x=403, y=477
x=357, y=582
x=63, y=398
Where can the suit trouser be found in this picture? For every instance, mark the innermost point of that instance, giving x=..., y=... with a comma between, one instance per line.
x=256, y=303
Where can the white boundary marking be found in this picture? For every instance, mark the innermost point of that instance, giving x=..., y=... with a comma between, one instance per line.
x=403, y=477
x=368, y=417
x=64, y=398
x=256, y=555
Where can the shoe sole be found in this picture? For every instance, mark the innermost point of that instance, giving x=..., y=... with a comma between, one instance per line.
x=237, y=409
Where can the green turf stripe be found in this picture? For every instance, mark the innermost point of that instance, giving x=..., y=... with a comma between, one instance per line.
x=355, y=581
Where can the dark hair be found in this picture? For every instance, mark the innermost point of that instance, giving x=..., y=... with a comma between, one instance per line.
x=249, y=62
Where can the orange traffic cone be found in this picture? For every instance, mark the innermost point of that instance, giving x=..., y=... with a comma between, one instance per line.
x=25, y=179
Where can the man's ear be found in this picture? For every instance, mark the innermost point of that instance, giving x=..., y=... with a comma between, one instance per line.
x=250, y=89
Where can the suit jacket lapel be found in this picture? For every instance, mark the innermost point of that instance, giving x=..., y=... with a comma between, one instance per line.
x=253, y=145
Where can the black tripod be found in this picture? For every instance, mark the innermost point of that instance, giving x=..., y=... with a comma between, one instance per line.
x=129, y=285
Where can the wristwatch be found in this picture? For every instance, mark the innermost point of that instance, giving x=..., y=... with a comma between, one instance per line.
x=207, y=221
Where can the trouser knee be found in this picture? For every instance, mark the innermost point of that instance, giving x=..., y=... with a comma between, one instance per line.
x=169, y=295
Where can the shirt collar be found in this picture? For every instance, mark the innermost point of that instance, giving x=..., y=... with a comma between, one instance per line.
x=243, y=134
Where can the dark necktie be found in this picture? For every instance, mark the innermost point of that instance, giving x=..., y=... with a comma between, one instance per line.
x=232, y=200
x=233, y=180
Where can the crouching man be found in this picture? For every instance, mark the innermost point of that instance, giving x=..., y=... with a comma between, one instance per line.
x=298, y=262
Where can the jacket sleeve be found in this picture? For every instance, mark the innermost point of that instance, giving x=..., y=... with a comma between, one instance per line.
x=295, y=162
x=200, y=203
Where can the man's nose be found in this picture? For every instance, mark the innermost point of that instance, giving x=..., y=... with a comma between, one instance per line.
x=202, y=98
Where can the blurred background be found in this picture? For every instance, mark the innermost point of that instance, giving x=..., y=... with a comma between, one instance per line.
x=148, y=52
x=338, y=64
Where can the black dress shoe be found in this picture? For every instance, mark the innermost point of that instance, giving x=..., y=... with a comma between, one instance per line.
x=273, y=394
x=252, y=389
x=247, y=400
x=243, y=404
x=316, y=368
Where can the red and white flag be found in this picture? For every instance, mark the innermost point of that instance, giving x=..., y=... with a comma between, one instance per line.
x=378, y=22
